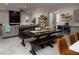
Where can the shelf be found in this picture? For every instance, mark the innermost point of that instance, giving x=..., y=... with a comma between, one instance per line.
x=14, y=23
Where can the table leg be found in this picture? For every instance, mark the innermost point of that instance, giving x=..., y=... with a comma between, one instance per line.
x=50, y=44
x=53, y=42
x=42, y=46
x=32, y=50
x=22, y=43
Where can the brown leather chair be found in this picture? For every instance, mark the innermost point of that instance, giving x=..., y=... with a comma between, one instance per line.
x=77, y=35
x=63, y=48
x=72, y=39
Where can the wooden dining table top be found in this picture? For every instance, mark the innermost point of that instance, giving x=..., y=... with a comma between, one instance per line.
x=43, y=32
x=75, y=47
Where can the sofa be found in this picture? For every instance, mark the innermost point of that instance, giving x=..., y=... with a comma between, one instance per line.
x=14, y=31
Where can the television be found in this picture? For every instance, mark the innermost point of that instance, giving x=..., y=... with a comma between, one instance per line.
x=14, y=17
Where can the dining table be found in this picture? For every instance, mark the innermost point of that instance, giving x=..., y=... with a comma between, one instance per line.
x=49, y=39
x=42, y=37
x=75, y=47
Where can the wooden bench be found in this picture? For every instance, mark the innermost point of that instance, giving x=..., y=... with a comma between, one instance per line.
x=42, y=42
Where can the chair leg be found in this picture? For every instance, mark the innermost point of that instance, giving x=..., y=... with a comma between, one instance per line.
x=22, y=43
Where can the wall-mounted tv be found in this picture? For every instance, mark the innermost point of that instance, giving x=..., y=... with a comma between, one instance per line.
x=14, y=17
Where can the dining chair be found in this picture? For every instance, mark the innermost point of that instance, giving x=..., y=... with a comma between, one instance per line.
x=77, y=35
x=64, y=49
x=72, y=39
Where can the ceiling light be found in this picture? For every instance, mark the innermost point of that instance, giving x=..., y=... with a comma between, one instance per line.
x=6, y=3
x=3, y=8
x=37, y=9
x=26, y=18
x=25, y=6
x=18, y=10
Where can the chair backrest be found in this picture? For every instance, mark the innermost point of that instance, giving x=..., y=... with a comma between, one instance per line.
x=77, y=35
x=62, y=45
x=72, y=39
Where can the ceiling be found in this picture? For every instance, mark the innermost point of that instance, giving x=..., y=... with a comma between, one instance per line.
x=33, y=6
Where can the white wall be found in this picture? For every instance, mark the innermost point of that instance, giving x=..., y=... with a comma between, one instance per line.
x=65, y=11
x=25, y=15
x=71, y=22
x=4, y=17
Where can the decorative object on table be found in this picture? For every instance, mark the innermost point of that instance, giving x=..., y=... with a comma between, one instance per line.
x=67, y=28
x=42, y=22
x=66, y=17
x=34, y=20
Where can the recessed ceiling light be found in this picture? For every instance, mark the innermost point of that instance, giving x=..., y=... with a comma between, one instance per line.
x=6, y=3
x=37, y=9
x=25, y=6
x=18, y=10
x=3, y=8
